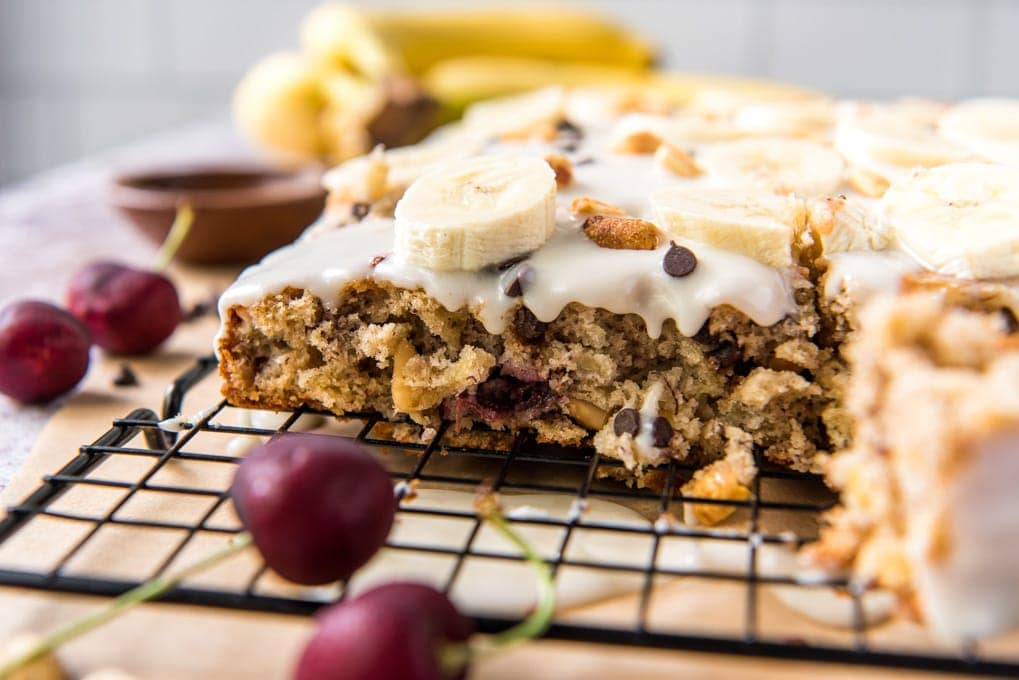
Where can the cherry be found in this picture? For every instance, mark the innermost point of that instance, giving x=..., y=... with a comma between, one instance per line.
x=128, y=311
x=398, y=630
x=317, y=506
x=43, y=351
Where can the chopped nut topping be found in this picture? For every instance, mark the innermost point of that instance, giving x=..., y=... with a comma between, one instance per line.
x=562, y=167
x=621, y=233
x=586, y=413
x=545, y=131
x=677, y=160
x=718, y=482
x=639, y=142
x=585, y=205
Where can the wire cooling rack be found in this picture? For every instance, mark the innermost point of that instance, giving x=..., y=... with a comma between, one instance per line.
x=524, y=468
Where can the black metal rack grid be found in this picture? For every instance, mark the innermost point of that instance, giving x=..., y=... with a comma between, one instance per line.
x=161, y=447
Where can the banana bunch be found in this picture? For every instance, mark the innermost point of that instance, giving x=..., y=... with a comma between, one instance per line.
x=366, y=76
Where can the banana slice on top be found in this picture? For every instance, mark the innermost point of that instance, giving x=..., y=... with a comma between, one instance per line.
x=791, y=118
x=780, y=165
x=471, y=213
x=532, y=115
x=960, y=219
x=758, y=224
x=987, y=127
x=890, y=140
x=352, y=180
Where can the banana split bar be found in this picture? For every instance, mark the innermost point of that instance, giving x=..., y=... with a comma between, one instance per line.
x=663, y=282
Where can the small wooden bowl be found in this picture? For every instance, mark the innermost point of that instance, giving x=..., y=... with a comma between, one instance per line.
x=241, y=212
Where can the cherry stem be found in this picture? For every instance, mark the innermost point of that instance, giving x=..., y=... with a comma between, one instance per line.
x=175, y=237
x=541, y=618
x=147, y=591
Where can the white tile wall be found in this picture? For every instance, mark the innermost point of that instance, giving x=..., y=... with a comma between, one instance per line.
x=80, y=75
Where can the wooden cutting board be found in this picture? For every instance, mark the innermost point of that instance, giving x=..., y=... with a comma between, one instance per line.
x=176, y=641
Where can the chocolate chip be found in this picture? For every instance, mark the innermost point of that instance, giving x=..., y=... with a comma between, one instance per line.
x=527, y=326
x=201, y=308
x=661, y=432
x=523, y=278
x=360, y=210
x=1011, y=321
x=587, y=160
x=125, y=378
x=679, y=261
x=627, y=421
x=376, y=260
x=567, y=128
x=506, y=264
x=726, y=354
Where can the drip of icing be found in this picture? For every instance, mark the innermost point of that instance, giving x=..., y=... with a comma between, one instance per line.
x=864, y=273
x=627, y=281
x=645, y=441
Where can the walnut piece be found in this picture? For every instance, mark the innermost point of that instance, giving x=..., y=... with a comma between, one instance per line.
x=622, y=233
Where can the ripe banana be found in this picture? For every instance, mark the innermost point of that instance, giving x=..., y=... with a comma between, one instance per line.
x=471, y=213
x=279, y=104
x=555, y=33
x=959, y=218
x=756, y=223
x=987, y=127
x=775, y=164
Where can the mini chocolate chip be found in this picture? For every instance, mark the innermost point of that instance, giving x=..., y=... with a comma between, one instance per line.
x=506, y=264
x=679, y=261
x=201, y=308
x=569, y=147
x=726, y=354
x=527, y=326
x=1011, y=321
x=360, y=210
x=126, y=377
x=376, y=260
x=627, y=421
x=661, y=432
x=587, y=160
x=567, y=128
x=523, y=277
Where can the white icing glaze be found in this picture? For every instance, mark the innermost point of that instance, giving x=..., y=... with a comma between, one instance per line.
x=561, y=272
x=645, y=441
x=864, y=273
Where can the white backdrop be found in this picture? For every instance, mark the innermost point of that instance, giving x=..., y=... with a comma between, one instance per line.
x=77, y=76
